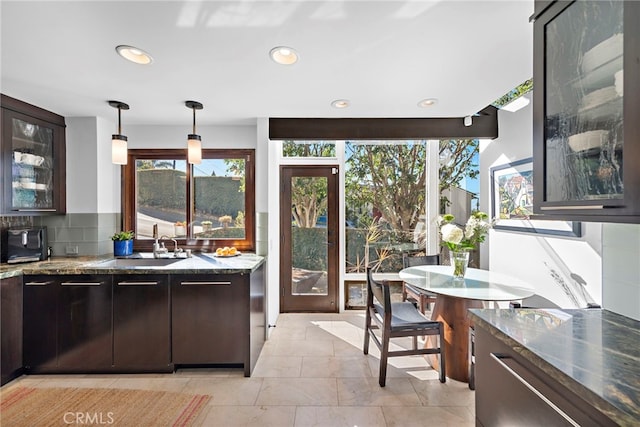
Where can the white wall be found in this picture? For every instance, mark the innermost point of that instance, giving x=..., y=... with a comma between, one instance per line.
x=82, y=183
x=621, y=269
x=564, y=270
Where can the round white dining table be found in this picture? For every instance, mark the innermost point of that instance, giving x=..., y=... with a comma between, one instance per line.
x=454, y=297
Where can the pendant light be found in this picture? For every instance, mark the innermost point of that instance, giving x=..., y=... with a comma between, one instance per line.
x=119, y=141
x=194, y=144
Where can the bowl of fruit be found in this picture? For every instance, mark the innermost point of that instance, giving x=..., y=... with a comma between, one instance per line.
x=227, y=252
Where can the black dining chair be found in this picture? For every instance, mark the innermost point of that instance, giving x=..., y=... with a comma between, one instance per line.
x=423, y=298
x=394, y=320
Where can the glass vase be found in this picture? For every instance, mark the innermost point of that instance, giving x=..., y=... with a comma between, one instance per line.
x=459, y=261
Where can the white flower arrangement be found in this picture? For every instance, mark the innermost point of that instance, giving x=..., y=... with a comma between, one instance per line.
x=475, y=231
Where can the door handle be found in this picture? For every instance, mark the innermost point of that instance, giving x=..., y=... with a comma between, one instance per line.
x=137, y=283
x=511, y=366
x=81, y=283
x=205, y=283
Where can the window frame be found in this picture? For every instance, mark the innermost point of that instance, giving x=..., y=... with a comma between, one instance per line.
x=129, y=205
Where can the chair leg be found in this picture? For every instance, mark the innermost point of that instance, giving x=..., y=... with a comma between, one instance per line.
x=384, y=357
x=443, y=370
x=367, y=328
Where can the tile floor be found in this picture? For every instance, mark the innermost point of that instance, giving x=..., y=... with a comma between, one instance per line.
x=311, y=372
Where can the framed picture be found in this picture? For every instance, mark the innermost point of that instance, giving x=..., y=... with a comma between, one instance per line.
x=512, y=202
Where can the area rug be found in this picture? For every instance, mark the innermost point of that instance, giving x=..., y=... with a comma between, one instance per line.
x=27, y=406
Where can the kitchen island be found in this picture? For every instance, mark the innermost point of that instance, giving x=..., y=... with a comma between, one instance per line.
x=141, y=314
x=556, y=367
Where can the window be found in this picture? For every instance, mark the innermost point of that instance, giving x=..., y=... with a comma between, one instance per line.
x=309, y=149
x=202, y=206
x=385, y=189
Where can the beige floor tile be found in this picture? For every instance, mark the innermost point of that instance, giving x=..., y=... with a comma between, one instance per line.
x=263, y=416
x=346, y=349
x=299, y=348
x=451, y=393
x=298, y=391
x=428, y=416
x=226, y=391
x=337, y=416
x=367, y=392
x=289, y=332
x=278, y=366
x=335, y=367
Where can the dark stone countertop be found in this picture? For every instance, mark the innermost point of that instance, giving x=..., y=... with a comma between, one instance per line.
x=199, y=263
x=594, y=353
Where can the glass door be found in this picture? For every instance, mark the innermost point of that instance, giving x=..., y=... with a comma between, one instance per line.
x=309, y=234
x=32, y=164
x=584, y=105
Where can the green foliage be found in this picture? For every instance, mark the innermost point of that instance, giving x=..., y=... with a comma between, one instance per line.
x=222, y=233
x=311, y=149
x=457, y=157
x=518, y=91
x=389, y=179
x=306, y=251
x=308, y=200
x=123, y=235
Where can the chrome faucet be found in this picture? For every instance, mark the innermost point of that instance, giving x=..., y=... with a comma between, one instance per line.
x=163, y=249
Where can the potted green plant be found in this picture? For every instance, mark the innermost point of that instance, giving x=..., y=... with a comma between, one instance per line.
x=123, y=243
x=206, y=225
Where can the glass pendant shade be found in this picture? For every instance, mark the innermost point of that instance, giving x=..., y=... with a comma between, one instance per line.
x=194, y=144
x=118, y=140
x=194, y=149
x=119, y=149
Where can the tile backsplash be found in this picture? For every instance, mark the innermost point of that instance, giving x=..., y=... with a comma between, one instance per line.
x=73, y=233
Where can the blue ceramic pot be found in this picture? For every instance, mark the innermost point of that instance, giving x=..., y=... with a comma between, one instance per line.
x=122, y=247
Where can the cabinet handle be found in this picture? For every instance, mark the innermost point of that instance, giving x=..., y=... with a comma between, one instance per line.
x=204, y=283
x=81, y=283
x=35, y=210
x=510, y=366
x=137, y=283
x=37, y=283
x=568, y=208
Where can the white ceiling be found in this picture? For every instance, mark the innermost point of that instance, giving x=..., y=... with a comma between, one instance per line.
x=384, y=56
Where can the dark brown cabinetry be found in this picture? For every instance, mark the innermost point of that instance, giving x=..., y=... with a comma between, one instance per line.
x=141, y=323
x=511, y=391
x=84, y=323
x=40, y=323
x=10, y=328
x=586, y=104
x=33, y=159
x=218, y=319
x=67, y=323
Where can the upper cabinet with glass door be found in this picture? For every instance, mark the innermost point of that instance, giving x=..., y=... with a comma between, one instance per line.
x=586, y=110
x=33, y=160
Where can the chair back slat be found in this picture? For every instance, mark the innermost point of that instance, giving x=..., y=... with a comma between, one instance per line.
x=375, y=288
x=411, y=261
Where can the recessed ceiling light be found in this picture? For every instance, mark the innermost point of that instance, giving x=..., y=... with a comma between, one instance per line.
x=284, y=55
x=134, y=54
x=429, y=102
x=341, y=103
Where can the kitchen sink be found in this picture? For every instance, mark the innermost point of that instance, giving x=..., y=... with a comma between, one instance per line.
x=137, y=262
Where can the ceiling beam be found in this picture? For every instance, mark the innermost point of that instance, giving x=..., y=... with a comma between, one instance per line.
x=484, y=125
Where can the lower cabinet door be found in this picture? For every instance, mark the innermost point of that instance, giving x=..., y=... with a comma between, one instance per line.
x=10, y=328
x=141, y=322
x=84, y=323
x=210, y=319
x=40, y=333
